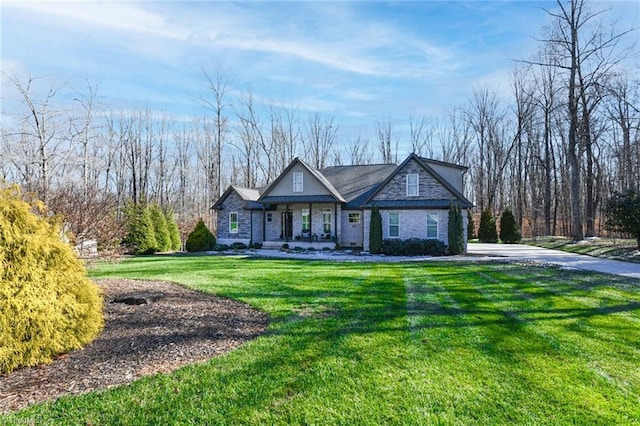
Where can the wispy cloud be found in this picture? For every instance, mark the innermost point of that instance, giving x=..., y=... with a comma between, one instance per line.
x=113, y=16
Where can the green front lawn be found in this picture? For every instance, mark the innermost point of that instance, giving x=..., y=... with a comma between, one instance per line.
x=608, y=248
x=413, y=343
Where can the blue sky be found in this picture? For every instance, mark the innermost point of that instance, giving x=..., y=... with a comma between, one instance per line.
x=358, y=61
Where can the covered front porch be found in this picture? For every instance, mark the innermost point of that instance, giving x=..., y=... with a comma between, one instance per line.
x=305, y=225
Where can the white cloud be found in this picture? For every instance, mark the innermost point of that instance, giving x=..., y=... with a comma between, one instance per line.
x=116, y=16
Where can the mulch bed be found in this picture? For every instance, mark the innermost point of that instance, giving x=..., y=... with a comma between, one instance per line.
x=181, y=327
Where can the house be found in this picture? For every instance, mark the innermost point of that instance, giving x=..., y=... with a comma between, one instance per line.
x=306, y=207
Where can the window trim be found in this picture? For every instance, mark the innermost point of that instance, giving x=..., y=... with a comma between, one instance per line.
x=389, y=225
x=437, y=216
x=416, y=185
x=298, y=182
x=354, y=215
x=306, y=213
x=326, y=223
x=231, y=222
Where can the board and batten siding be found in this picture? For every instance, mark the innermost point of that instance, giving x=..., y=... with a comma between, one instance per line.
x=311, y=185
x=452, y=175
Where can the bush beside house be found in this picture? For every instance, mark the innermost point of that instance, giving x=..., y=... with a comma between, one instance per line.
x=455, y=229
x=414, y=247
x=375, y=232
x=200, y=239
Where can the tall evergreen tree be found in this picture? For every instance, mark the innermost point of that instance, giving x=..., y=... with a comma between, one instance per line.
x=375, y=232
x=471, y=226
x=160, y=228
x=623, y=213
x=487, y=232
x=456, y=229
x=174, y=231
x=509, y=232
x=140, y=234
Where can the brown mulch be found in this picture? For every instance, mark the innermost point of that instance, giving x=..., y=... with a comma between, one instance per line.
x=183, y=327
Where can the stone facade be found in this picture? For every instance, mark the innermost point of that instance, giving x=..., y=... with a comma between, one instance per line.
x=428, y=186
x=267, y=226
x=234, y=203
x=352, y=234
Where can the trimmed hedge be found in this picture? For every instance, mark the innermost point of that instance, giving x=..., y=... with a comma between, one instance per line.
x=414, y=247
x=48, y=306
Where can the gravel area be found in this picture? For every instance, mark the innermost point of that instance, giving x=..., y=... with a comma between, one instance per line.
x=179, y=327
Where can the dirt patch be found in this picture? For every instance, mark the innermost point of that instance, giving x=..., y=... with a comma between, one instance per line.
x=181, y=328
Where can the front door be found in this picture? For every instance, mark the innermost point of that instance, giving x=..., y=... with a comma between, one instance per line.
x=286, y=225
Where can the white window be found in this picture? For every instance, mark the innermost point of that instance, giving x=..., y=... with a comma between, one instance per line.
x=354, y=217
x=306, y=220
x=432, y=225
x=412, y=185
x=297, y=182
x=326, y=221
x=233, y=222
x=394, y=225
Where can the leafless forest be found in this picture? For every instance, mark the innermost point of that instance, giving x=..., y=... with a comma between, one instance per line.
x=553, y=151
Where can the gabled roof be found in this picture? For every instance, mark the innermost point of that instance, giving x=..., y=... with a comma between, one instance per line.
x=463, y=200
x=444, y=163
x=315, y=173
x=249, y=195
x=356, y=182
x=354, y=186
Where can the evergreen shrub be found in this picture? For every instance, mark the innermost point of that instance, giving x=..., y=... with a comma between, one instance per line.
x=414, y=247
x=623, y=213
x=174, y=231
x=455, y=229
x=487, y=232
x=471, y=226
x=509, y=232
x=200, y=239
x=140, y=238
x=48, y=306
x=160, y=228
x=375, y=232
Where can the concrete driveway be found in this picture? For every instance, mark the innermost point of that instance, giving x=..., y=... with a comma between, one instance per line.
x=555, y=257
